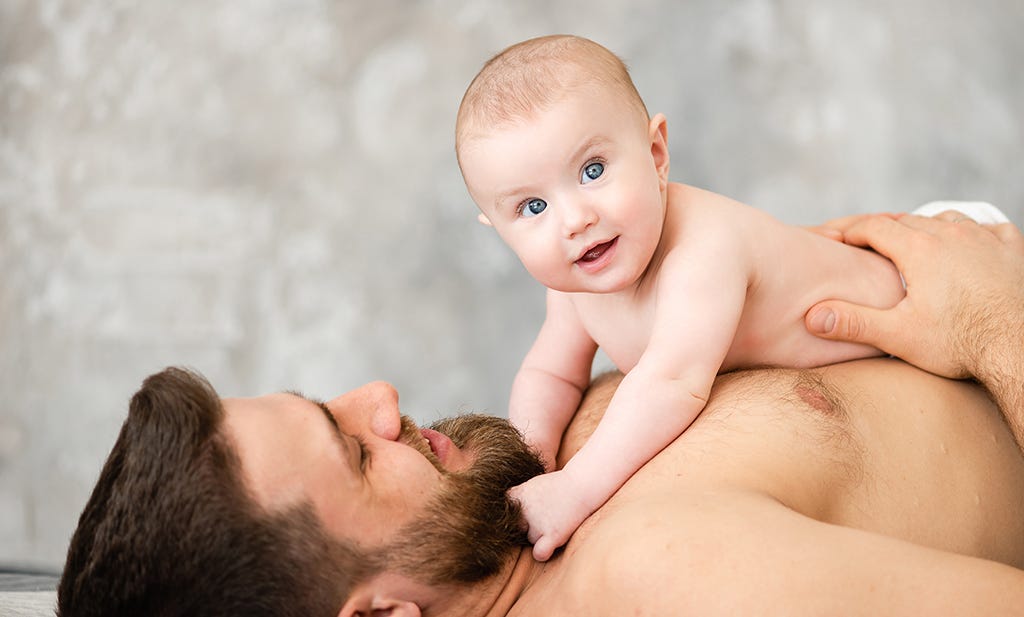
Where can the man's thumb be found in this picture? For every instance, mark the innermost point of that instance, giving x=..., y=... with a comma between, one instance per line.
x=841, y=321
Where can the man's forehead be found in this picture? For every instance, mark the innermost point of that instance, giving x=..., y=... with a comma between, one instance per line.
x=281, y=440
x=284, y=401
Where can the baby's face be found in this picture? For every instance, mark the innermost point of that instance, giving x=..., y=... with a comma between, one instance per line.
x=574, y=189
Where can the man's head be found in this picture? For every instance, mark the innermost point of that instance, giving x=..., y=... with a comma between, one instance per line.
x=558, y=152
x=281, y=505
x=160, y=534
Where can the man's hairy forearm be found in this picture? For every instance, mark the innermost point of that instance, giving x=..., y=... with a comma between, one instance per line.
x=995, y=336
x=1001, y=371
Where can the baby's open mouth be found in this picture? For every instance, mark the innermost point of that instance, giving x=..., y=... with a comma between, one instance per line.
x=595, y=253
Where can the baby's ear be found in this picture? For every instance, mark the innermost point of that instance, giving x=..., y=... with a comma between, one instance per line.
x=658, y=133
x=484, y=220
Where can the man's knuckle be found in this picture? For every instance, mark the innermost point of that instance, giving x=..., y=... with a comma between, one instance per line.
x=851, y=326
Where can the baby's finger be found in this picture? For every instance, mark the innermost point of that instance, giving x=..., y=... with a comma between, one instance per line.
x=516, y=494
x=543, y=548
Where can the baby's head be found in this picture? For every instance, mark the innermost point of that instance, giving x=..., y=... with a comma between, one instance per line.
x=529, y=76
x=558, y=152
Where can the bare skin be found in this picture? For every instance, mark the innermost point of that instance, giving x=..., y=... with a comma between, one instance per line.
x=869, y=487
x=824, y=491
x=674, y=283
x=965, y=302
x=864, y=488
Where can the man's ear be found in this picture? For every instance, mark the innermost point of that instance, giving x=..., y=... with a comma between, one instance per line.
x=386, y=595
x=484, y=220
x=362, y=603
x=657, y=130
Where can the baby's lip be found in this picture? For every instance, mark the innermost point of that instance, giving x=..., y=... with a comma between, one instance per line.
x=594, y=251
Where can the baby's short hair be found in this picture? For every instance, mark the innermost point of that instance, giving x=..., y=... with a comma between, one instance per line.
x=533, y=74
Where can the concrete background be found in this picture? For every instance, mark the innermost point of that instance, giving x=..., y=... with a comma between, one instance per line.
x=265, y=190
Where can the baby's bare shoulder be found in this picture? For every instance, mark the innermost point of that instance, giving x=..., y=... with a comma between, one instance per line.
x=697, y=219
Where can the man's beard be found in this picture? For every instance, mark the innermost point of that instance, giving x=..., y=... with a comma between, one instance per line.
x=471, y=528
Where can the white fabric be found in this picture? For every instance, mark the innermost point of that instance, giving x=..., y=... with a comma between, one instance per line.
x=980, y=211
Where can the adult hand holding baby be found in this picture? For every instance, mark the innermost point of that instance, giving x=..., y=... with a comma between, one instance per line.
x=941, y=324
x=961, y=316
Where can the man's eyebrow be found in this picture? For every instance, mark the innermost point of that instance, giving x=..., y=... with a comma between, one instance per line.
x=321, y=405
x=343, y=440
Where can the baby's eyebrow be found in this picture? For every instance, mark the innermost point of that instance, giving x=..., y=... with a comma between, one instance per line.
x=594, y=142
x=504, y=197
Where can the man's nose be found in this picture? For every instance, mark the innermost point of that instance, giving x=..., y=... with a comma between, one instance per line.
x=374, y=406
x=577, y=217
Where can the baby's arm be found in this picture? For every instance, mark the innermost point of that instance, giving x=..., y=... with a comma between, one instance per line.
x=550, y=382
x=695, y=322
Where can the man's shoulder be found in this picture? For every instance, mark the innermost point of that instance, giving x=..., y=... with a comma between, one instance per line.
x=658, y=553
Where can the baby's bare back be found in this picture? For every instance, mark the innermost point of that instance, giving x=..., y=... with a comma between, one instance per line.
x=792, y=270
x=784, y=270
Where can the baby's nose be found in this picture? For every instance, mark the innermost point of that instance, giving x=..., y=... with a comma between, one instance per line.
x=577, y=217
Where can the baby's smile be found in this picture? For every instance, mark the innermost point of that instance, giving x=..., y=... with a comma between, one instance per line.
x=597, y=256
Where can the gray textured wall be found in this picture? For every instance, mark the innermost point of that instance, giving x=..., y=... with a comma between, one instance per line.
x=265, y=190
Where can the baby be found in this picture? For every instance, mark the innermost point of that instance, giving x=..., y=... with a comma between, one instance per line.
x=674, y=283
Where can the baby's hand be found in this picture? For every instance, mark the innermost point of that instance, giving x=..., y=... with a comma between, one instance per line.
x=544, y=444
x=551, y=511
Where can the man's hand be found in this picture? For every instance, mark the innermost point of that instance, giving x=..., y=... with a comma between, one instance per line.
x=965, y=292
x=550, y=511
x=836, y=228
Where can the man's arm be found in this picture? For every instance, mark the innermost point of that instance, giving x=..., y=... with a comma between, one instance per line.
x=963, y=315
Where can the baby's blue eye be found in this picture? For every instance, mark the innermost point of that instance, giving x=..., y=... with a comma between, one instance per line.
x=592, y=171
x=532, y=207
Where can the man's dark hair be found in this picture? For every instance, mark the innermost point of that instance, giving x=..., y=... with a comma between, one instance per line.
x=170, y=529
